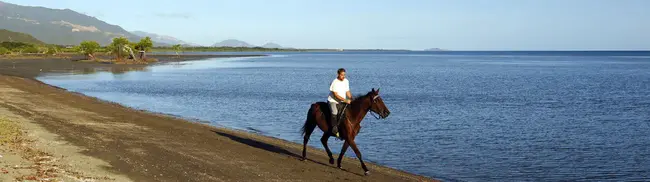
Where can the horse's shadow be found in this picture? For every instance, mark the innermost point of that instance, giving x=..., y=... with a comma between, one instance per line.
x=271, y=148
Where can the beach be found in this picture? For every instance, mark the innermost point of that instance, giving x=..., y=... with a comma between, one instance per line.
x=70, y=136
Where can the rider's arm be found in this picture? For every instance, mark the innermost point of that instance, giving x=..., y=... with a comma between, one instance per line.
x=337, y=96
x=349, y=94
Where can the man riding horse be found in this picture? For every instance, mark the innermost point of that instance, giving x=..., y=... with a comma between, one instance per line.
x=339, y=94
x=355, y=112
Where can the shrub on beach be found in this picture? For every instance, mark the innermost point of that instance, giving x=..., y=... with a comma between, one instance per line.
x=177, y=48
x=117, y=47
x=15, y=45
x=31, y=49
x=4, y=51
x=51, y=50
x=88, y=48
x=20, y=47
x=145, y=44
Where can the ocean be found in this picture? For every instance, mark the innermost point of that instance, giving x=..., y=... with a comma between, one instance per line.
x=455, y=116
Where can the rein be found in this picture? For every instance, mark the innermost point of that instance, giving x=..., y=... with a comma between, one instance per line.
x=372, y=113
x=370, y=110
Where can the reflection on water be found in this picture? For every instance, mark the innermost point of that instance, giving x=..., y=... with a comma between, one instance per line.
x=96, y=70
x=114, y=70
x=184, y=65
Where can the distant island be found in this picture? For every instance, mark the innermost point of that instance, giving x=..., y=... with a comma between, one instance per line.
x=272, y=45
x=163, y=40
x=371, y=50
x=435, y=49
x=239, y=43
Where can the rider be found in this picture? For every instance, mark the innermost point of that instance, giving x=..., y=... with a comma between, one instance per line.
x=339, y=94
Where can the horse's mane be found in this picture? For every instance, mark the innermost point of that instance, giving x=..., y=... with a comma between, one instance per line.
x=360, y=96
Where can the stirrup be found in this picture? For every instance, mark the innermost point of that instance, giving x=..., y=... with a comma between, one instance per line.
x=337, y=136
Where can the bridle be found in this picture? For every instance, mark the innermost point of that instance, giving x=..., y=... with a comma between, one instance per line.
x=372, y=102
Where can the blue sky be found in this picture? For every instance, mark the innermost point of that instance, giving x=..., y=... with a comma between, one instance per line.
x=389, y=24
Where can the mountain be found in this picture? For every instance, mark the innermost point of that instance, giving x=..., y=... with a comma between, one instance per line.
x=271, y=45
x=434, y=49
x=163, y=40
x=9, y=36
x=58, y=26
x=232, y=43
x=239, y=43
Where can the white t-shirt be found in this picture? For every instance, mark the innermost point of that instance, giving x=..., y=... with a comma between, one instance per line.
x=340, y=87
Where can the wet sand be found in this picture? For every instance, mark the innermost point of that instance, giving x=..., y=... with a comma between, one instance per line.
x=87, y=138
x=31, y=68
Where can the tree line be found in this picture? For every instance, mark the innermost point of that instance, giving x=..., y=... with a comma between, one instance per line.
x=121, y=47
x=26, y=48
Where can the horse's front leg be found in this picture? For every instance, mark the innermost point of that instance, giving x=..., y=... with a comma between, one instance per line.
x=323, y=140
x=356, y=151
x=343, y=149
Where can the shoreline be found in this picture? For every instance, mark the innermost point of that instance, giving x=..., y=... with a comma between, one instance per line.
x=141, y=138
x=32, y=68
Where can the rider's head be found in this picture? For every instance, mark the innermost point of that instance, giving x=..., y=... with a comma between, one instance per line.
x=341, y=73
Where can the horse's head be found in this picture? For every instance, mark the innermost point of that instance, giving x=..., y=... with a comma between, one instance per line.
x=377, y=104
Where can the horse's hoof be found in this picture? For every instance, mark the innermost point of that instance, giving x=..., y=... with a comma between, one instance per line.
x=332, y=161
x=366, y=173
x=302, y=159
x=340, y=167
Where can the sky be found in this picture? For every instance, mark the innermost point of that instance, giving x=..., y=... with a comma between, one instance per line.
x=385, y=24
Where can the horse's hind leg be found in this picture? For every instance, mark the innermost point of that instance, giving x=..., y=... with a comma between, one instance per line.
x=309, y=128
x=356, y=151
x=323, y=140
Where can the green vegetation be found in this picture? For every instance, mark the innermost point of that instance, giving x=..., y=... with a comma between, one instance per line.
x=52, y=50
x=89, y=48
x=15, y=45
x=20, y=43
x=4, y=51
x=9, y=36
x=120, y=47
x=177, y=48
x=117, y=47
x=145, y=44
x=31, y=49
x=224, y=49
x=19, y=47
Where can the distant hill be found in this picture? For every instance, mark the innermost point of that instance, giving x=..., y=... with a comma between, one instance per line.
x=56, y=26
x=163, y=40
x=271, y=45
x=434, y=49
x=239, y=43
x=10, y=36
x=232, y=43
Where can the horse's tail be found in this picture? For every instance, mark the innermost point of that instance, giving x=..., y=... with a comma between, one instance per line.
x=311, y=120
x=302, y=130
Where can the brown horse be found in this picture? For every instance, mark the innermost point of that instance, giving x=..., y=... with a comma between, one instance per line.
x=319, y=115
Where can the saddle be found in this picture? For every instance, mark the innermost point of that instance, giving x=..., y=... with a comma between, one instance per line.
x=325, y=109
